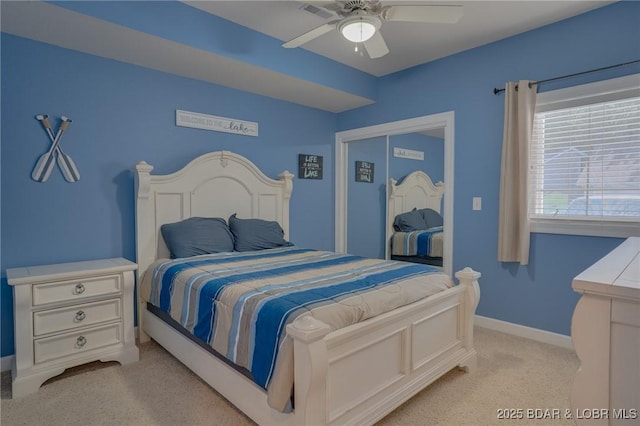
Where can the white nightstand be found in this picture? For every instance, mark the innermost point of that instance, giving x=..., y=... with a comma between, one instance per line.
x=70, y=314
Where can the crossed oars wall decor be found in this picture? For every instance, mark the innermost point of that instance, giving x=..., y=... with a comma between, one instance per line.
x=45, y=163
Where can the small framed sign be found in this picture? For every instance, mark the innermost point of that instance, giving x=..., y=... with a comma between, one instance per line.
x=364, y=171
x=309, y=166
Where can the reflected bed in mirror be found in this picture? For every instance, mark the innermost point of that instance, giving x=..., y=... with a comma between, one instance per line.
x=414, y=220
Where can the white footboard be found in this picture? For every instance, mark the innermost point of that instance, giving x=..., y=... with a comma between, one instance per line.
x=355, y=375
x=359, y=374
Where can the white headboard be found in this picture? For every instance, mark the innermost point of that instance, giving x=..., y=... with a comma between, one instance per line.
x=417, y=190
x=217, y=184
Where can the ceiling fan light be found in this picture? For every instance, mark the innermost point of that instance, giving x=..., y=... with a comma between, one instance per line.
x=358, y=31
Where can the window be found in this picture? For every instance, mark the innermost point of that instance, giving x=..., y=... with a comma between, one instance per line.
x=585, y=160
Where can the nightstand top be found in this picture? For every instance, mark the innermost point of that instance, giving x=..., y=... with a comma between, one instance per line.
x=63, y=271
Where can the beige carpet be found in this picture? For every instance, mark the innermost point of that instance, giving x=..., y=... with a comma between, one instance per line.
x=513, y=373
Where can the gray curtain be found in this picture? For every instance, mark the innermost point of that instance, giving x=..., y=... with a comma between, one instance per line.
x=513, y=228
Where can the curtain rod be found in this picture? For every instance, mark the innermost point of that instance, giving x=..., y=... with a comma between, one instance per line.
x=496, y=90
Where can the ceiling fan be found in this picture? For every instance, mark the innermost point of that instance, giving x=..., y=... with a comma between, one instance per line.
x=359, y=21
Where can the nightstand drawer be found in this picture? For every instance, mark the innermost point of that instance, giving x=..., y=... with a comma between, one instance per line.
x=75, y=290
x=71, y=317
x=74, y=343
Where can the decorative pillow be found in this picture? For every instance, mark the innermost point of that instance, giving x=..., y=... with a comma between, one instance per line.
x=197, y=235
x=256, y=234
x=431, y=217
x=409, y=221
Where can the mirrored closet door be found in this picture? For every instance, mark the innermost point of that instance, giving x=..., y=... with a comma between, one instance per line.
x=397, y=152
x=366, y=193
x=415, y=224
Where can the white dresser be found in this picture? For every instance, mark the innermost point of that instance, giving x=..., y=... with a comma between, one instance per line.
x=70, y=314
x=606, y=336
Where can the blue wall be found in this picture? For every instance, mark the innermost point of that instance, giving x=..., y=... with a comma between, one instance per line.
x=123, y=114
x=540, y=294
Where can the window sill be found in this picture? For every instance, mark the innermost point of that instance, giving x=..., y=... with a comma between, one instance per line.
x=585, y=227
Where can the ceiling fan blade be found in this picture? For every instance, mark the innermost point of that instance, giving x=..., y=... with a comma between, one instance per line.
x=376, y=46
x=310, y=35
x=424, y=13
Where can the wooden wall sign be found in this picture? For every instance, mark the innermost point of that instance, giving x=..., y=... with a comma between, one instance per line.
x=408, y=153
x=364, y=171
x=309, y=166
x=217, y=124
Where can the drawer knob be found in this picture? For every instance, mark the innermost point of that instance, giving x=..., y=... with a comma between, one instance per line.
x=79, y=288
x=80, y=315
x=81, y=341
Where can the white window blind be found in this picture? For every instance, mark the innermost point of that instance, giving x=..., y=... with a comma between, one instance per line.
x=585, y=156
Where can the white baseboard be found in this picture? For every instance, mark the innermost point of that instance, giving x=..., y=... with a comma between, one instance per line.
x=523, y=331
x=5, y=363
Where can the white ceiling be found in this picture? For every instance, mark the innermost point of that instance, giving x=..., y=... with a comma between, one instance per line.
x=409, y=43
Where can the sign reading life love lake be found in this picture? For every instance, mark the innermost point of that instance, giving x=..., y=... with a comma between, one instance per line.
x=309, y=166
x=217, y=124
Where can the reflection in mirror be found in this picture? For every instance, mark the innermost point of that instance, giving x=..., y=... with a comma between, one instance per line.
x=366, y=200
x=415, y=231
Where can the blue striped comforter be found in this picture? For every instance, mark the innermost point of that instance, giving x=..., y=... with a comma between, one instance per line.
x=240, y=303
x=426, y=242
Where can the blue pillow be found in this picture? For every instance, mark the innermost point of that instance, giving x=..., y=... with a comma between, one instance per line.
x=197, y=235
x=256, y=234
x=409, y=221
x=431, y=217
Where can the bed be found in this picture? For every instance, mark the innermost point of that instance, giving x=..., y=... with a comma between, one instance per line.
x=351, y=375
x=414, y=223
